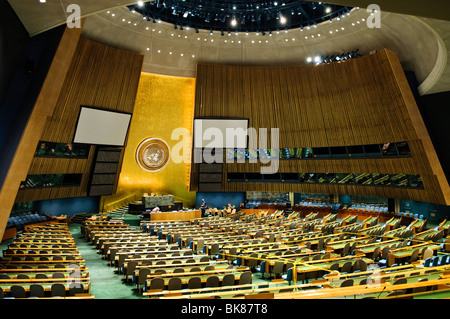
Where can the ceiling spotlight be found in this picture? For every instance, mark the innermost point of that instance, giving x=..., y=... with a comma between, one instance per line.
x=328, y=10
x=309, y=59
x=140, y=3
x=317, y=59
x=282, y=19
x=233, y=22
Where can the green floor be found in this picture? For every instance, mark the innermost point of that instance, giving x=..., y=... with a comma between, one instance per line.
x=105, y=282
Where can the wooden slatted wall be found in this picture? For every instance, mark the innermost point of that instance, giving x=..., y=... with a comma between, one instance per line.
x=357, y=102
x=99, y=76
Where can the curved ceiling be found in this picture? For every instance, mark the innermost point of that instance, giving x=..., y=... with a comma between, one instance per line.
x=421, y=43
x=175, y=52
x=239, y=15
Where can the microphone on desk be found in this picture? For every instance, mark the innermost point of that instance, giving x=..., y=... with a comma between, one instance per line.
x=378, y=297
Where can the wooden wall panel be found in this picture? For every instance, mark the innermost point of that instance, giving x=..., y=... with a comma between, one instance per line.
x=357, y=102
x=99, y=76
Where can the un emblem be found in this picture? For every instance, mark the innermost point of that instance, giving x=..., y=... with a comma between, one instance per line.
x=153, y=154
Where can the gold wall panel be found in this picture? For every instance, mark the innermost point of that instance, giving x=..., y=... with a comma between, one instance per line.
x=163, y=103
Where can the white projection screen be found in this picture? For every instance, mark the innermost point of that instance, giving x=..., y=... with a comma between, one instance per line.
x=220, y=133
x=100, y=127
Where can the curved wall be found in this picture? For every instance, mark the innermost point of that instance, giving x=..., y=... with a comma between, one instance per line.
x=357, y=102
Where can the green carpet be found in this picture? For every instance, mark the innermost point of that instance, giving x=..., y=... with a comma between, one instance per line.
x=105, y=282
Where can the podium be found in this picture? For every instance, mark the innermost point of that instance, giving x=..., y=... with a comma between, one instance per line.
x=157, y=201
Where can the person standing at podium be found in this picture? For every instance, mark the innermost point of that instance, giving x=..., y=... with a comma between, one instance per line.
x=203, y=208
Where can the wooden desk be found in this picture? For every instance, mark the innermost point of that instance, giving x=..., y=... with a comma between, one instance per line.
x=183, y=215
x=9, y=233
x=406, y=252
x=418, y=225
x=445, y=225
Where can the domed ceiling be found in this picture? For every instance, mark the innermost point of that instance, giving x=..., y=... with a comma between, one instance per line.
x=174, y=35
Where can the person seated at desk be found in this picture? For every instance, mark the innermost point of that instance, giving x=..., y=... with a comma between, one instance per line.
x=147, y=213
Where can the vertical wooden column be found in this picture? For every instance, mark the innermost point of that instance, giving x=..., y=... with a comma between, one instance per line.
x=418, y=124
x=43, y=109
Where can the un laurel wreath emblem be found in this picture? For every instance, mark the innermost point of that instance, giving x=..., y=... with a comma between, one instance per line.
x=153, y=154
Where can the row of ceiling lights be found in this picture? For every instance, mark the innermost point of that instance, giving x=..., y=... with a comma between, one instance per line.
x=229, y=33
x=312, y=36
x=251, y=15
x=313, y=60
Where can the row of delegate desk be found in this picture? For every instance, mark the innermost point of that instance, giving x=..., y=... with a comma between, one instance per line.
x=287, y=252
x=135, y=253
x=366, y=225
x=400, y=251
x=43, y=262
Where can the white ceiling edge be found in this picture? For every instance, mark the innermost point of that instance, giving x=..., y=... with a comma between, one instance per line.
x=441, y=63
x=127, y=31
